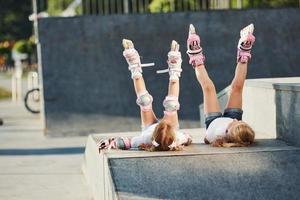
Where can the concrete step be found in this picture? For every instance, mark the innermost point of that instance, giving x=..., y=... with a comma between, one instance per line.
x=267, y=170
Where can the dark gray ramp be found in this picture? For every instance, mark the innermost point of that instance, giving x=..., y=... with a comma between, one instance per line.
x=263, y=175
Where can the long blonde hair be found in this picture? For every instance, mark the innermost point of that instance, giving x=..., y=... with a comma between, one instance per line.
x=241, y=135
x=164, y=135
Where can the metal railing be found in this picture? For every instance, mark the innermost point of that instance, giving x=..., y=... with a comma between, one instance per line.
x=108, y=7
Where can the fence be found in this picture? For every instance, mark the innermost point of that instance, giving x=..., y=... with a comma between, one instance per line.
x=108, y=7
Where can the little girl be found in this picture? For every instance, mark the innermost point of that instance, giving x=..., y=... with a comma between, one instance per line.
x=157, y=135
x=227, y=129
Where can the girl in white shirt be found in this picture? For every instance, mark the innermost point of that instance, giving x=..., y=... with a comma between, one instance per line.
x=156, y=135
x=227, y=129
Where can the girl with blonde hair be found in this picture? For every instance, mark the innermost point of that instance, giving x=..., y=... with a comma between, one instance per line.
x=227, y=129
x=156, y=135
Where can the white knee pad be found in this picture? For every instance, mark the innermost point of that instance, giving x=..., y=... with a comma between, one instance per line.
x=171, y=105
x=144, y=100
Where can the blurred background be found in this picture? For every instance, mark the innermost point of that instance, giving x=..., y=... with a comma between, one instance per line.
x=57, y=55
x=62, y=73
x=16, y=30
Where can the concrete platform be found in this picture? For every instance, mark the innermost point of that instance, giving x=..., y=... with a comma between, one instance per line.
x=270, y=105
x=267, y=170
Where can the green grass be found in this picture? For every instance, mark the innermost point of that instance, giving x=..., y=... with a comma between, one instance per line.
x=4, y=94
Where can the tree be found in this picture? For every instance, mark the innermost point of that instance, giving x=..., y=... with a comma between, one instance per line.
x=55, y=7
x=14, y=23
x=270, y=3
x=171, y=5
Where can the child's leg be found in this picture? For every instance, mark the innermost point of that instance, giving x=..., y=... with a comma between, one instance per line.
x=171, y=103
x=243, y=56
x=144, y=99
x=237, y=84
x=210, y=101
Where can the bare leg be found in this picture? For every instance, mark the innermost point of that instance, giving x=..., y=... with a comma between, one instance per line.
x=173, y=92
x=237, y=85
x=147, y=115
x=210, y=99
x=244, y=54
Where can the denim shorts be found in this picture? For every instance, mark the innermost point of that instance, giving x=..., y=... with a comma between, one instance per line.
x=234, y=113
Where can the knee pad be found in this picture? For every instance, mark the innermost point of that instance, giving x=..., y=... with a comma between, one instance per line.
x=123, y=143
x=171, y=105
x=144, y=100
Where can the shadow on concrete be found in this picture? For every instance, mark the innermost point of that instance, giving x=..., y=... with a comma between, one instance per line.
x=47, y=151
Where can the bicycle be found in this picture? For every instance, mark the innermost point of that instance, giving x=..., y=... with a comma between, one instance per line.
x=32, y=97
x=32, y=100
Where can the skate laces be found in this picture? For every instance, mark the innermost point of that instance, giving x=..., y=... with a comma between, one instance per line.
x=133, y=58
x=106, y=143
x=194, y=49
x=245, y=44
x=193, y=44
x=246, y=38
x=174, y=62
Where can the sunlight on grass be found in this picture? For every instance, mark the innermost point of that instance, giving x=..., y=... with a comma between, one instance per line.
x=4, y=94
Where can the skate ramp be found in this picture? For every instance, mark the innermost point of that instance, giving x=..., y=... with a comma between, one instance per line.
x=267, y=170
x=260, y=175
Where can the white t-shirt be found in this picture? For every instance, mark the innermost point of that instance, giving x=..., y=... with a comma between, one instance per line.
x=146, y=137
x=217, y=128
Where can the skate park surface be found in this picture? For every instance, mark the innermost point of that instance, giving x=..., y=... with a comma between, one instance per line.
x=267, y=170
x=38, y=167
x=35, y=167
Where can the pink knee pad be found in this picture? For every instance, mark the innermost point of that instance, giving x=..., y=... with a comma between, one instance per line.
x=144, y=100
x=171, y=105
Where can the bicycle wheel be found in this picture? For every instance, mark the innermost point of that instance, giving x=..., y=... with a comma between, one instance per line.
x=32, y=100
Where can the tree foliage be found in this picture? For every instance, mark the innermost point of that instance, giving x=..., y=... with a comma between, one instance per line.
x=171, y=5
x=270, y=3
x=157, y=6
x=14, y=23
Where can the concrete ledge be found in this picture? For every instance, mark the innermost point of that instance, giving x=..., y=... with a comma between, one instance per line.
x=260, y=102
x=288, y=112
x=271, y=82
x=295, y=87
x=117, y=174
